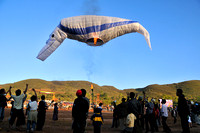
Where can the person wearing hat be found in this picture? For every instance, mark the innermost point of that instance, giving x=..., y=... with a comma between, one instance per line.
x=79, y=113
x=164, y=114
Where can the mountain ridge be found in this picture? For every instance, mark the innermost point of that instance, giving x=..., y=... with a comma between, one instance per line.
x=108, y=93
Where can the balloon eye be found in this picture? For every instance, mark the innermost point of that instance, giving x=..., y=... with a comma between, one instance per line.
x=52, y=35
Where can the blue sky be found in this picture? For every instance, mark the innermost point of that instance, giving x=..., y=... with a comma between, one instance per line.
x=124, y=62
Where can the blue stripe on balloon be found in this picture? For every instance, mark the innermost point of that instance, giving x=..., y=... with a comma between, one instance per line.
x=96, y=28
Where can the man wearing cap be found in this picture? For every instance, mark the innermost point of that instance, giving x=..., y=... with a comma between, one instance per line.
x=79, y=113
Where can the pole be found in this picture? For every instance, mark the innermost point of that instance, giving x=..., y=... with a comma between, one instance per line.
x=92, y=94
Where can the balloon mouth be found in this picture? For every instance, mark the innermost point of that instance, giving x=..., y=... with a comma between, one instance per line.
x=94, y=42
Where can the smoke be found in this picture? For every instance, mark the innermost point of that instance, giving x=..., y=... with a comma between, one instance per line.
x=91, y=7
x=89, y=64
x=89, y=69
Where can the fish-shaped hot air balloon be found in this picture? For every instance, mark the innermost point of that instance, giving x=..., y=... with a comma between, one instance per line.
x=91, y=29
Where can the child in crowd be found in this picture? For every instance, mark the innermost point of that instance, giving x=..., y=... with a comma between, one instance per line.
x=97, y=119
x=189, y=121
x=174, y=114
x=55, y=112
x=32, y=112
x=100, y=107
x=130, y=120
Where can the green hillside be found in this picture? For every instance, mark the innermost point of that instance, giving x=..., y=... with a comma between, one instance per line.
x=66, y=90
x=191, y=90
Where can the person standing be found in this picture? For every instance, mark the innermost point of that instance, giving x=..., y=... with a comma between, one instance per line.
x=79, y=113
x=3, y=102
x=130, y=122
x=55, y=112
x=17, y=108
x=115, y=121
x=174, y=114
x=156, y=116
x=149, y=117
x=84, y=97
x=134, y=107
x=183, y=110
x=23, y=122
x=97, y=119
x=123, y=112
x=164, y=114
x=32, y=115
x=41, y=113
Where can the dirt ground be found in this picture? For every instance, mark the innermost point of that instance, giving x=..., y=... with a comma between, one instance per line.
x=63, y=125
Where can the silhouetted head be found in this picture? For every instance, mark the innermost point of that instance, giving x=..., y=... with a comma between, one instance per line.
x=2, y=91
x=43, y=97
x=33, y=98
x=18, y=92
x=132, y=95
x=100, y=104
x=163, y=101
x=83, y=92
x=123, y=99
x=179, y=92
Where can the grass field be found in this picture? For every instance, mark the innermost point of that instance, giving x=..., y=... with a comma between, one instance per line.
x=63, y=125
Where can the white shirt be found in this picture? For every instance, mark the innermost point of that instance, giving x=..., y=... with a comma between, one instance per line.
x=164, y=110
x=33, y=105
x=18, y=100
x=130, y=120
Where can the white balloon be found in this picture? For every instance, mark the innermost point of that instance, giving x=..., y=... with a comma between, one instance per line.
x=91, y=29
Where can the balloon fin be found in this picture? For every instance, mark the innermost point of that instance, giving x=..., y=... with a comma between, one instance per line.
x=145, y=33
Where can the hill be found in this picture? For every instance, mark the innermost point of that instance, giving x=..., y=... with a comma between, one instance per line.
x=191, y=90
x=65, y=90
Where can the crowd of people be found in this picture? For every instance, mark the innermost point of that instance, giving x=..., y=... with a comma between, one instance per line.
x=80, y=114
x=132, y=115
x=135, y=115
x=36, y=112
